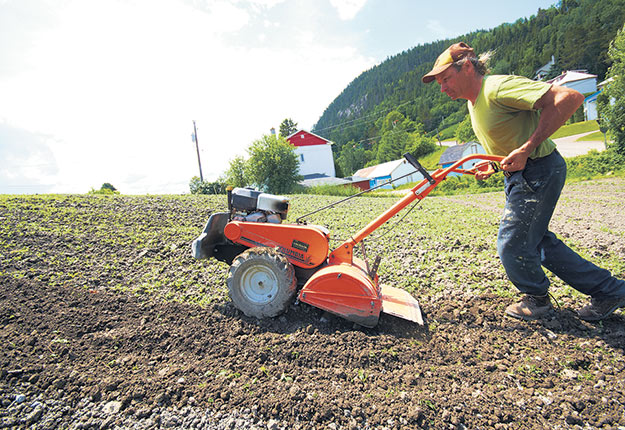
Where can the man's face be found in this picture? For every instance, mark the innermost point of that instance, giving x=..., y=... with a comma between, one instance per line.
x=451, y=82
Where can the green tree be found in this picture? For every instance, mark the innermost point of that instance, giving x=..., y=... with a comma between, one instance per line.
x=287, y=127
x=464, y=132
x=393, y=145
x=351, y=158
x=396, y=137
x=107, y=186
x=613, y=101
x=237, y=175
x=421, y=146
x=273, y=165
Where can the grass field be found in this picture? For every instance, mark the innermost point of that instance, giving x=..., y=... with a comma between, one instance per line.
x=577, y=128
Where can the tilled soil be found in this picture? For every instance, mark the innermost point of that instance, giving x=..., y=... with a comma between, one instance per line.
x=90, y=341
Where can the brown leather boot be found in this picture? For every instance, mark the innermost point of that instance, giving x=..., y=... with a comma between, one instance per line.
x=600, y=308
x=530, y=307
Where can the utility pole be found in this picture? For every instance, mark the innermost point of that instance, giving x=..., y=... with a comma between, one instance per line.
x=197, y=148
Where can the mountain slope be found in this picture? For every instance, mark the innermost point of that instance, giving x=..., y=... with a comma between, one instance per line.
x=576, y=32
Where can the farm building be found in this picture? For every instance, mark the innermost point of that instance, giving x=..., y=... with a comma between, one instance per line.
x=577, y=80
x=455, y=153
x=586, y=84
x=386, y=171
x=361, y=183
x=314, y=154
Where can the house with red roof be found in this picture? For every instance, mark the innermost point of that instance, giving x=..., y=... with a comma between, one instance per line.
x=314, y=154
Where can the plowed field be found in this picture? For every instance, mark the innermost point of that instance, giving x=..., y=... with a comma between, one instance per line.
x=102, y=306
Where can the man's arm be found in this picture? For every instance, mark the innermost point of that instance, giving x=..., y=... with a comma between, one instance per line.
x=555, y=106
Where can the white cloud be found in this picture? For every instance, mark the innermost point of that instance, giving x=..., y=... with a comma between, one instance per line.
x=115, y=86
x=28, y=163
x=348, y=9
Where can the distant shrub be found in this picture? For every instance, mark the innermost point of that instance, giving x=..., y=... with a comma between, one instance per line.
x=106, y=189
x=197, y=186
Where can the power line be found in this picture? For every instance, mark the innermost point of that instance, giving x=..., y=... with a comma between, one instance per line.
x=379, y=115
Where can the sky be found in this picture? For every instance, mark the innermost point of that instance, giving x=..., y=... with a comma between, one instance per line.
x=95, y=91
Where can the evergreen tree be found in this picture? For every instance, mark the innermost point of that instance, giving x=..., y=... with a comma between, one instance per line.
x=287, y=127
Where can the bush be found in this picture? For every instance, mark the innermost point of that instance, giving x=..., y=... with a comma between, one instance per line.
x=105, y=189
x=595, y=164
x=422, y=146
x=197, y=186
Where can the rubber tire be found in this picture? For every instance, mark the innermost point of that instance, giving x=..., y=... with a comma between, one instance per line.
x=261, y=282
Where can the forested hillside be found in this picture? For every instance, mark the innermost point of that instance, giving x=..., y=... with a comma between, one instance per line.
x=576, y=32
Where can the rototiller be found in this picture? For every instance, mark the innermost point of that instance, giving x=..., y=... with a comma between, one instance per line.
x=269, y=260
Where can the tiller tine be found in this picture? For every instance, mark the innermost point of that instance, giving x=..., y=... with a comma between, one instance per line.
x=401, y=304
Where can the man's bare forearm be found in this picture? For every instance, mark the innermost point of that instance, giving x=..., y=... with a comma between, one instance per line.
x=556, y=106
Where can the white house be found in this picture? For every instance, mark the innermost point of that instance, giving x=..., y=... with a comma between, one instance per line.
x=390, y=170
x=455, y=153
x=314, y=154
x=578, y=80
x=585, y=83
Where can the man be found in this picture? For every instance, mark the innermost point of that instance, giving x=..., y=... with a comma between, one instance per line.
x=513, y=117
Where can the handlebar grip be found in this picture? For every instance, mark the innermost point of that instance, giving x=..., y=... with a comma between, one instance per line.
x=410, y=158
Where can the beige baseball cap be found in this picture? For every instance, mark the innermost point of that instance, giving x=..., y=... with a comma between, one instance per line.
x=455, y=52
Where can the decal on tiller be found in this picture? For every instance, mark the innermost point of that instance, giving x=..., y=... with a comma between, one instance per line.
x=302, y=246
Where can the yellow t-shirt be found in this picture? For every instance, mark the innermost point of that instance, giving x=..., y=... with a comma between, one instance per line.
x=504, y=117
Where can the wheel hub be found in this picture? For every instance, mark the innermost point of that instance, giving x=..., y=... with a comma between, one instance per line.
x=259, y=284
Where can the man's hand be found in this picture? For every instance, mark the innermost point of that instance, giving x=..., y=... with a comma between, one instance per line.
x=515, y=161
x=480, y=176
x=483, y=170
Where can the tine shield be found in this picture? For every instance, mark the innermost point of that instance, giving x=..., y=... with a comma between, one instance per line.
x=401, y=304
